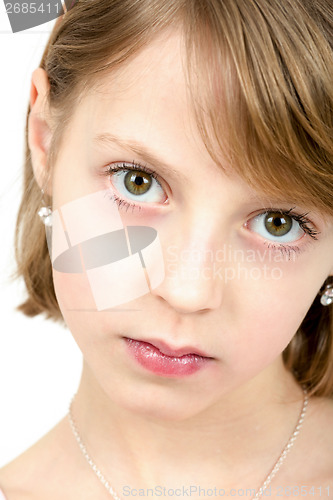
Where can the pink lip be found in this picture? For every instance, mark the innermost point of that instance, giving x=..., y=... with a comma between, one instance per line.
x=175, y=351
x=175, y=364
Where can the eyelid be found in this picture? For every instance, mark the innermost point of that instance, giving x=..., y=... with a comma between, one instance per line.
x=292, y=212
x=306, y=224
x=135, y=166
x=117, y=166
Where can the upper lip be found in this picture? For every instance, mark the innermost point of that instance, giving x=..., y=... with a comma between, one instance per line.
x=173, y=351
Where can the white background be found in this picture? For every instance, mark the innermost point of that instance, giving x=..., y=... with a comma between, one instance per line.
x=40, y=364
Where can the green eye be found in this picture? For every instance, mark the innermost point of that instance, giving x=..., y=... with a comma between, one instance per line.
x=137, y=182
x=278, y=224
x=275, y=225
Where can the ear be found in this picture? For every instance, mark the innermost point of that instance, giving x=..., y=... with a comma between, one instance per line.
x=39, y=130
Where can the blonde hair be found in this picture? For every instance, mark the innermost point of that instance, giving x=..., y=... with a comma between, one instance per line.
x=260, y=69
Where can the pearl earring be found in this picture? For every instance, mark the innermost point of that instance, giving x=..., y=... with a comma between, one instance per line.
x=45, y=213
x=327, y=295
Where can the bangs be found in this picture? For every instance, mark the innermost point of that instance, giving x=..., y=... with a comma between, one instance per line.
x=261, y=88
x=259, y=76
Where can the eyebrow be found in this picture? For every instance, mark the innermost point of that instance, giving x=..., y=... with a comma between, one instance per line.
x=139, y=149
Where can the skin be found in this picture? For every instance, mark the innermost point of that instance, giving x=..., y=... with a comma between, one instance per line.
x=225, y=425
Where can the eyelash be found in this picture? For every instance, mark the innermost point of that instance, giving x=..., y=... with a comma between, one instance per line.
x=304, y=223
x=120, y=167
x=302, y=219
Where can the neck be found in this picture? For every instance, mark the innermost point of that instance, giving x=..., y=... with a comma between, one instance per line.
x=245, y=429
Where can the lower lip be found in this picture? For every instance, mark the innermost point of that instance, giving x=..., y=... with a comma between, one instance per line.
x=151, y=358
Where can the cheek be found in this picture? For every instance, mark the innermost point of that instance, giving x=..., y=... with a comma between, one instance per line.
x=89, y=327
x=76, y=303
x=266, y=322
x=73, y=292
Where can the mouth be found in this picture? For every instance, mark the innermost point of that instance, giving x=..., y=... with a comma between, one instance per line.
x=163, y=360
x=175, y=352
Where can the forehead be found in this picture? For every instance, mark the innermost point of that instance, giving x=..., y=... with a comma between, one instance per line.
x=146, y=101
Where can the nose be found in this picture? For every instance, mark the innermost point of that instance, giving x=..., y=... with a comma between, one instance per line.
x=192, y=281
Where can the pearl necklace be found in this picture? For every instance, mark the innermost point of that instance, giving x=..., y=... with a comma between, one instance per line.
x=260, y=490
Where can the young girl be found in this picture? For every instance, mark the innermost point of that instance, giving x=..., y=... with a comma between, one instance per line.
x=185, y=151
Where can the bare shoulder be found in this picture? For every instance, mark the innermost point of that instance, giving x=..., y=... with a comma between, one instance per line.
x=319, y=434
x=320, y=418
x=325, y=418
x=22, y=478
x=308, y=470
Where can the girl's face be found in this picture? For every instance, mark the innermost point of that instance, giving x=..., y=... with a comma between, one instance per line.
x=225, y=291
